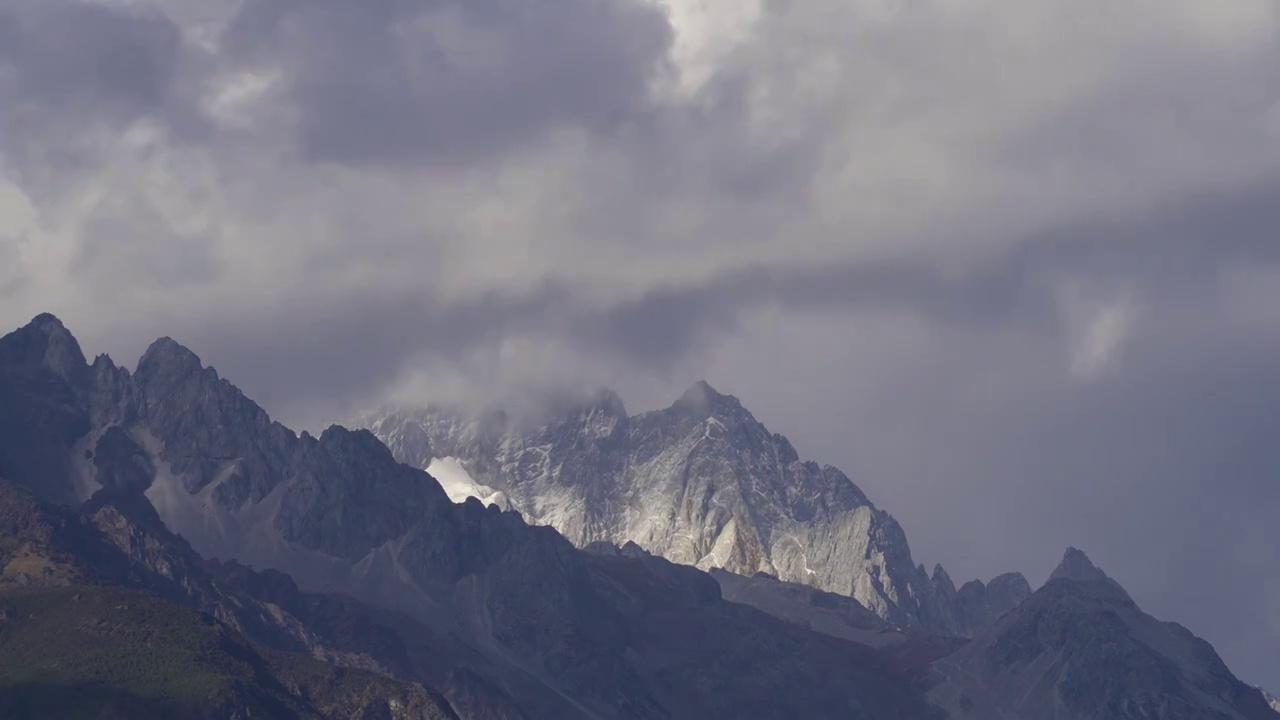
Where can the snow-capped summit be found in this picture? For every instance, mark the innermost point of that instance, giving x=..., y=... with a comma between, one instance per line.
x=701, y=482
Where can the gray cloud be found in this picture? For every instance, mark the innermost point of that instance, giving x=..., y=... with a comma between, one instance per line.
x=75, y=75
x=1013, y=271
x=1181, y=251
x=79, y=57
x=396, y=81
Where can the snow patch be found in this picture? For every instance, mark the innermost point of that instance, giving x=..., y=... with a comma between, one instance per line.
x=1271, y=700
x=459, y=485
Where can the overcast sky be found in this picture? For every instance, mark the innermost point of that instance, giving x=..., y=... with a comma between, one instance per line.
x=1014, y=266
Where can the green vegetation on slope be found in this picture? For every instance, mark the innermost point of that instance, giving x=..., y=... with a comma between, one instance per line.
x=95, y=652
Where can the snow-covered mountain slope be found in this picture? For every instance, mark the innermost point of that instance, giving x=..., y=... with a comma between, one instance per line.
x=701, y=483
x=459, y=485
x=1081, y=649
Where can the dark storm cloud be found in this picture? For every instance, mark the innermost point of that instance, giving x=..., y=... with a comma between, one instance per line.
x=313, y=361
x=134, y=241
x=399, y=81
x=290, y=352
x=1175, y=259
x=87, y=58
x=79, y=69
x=1177, y=251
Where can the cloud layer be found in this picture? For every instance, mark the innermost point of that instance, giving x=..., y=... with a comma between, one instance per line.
x=1014, y=265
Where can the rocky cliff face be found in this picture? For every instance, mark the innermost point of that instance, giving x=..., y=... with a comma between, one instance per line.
x=43, y=405
x=507, y=619
x=1080, y=649
x=982, y=605
x=701, y=483
x=829, y=613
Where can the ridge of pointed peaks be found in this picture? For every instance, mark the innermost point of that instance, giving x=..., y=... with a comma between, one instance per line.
x=340, y=438
x=1076, y=565
x=168, y=354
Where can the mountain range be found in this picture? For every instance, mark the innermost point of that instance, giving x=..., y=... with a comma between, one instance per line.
x=167, y=550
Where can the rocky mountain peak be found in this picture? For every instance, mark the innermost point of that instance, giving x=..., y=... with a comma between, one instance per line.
x=702, y=400
x=168, y=356
x=597, y=415
x=1011, y=586
x=1076, y=565
x=607, y=402
x=702, y=388
x=48, y=322
x=941, y=579
x=45, y=342
x=337, y=438
x=1080, y=649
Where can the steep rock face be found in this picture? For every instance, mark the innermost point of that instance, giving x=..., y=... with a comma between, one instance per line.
x=348, y=495
x=836, y=615
x=909, y=652
x=43, y=413
x=1080, y=649
x=1272, y=700
x=701, y=483
x=982, y=605
x=462, y=596
x=209, y=431
x=116, y=539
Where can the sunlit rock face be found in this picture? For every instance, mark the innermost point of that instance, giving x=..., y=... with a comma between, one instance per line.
x=701, y=483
